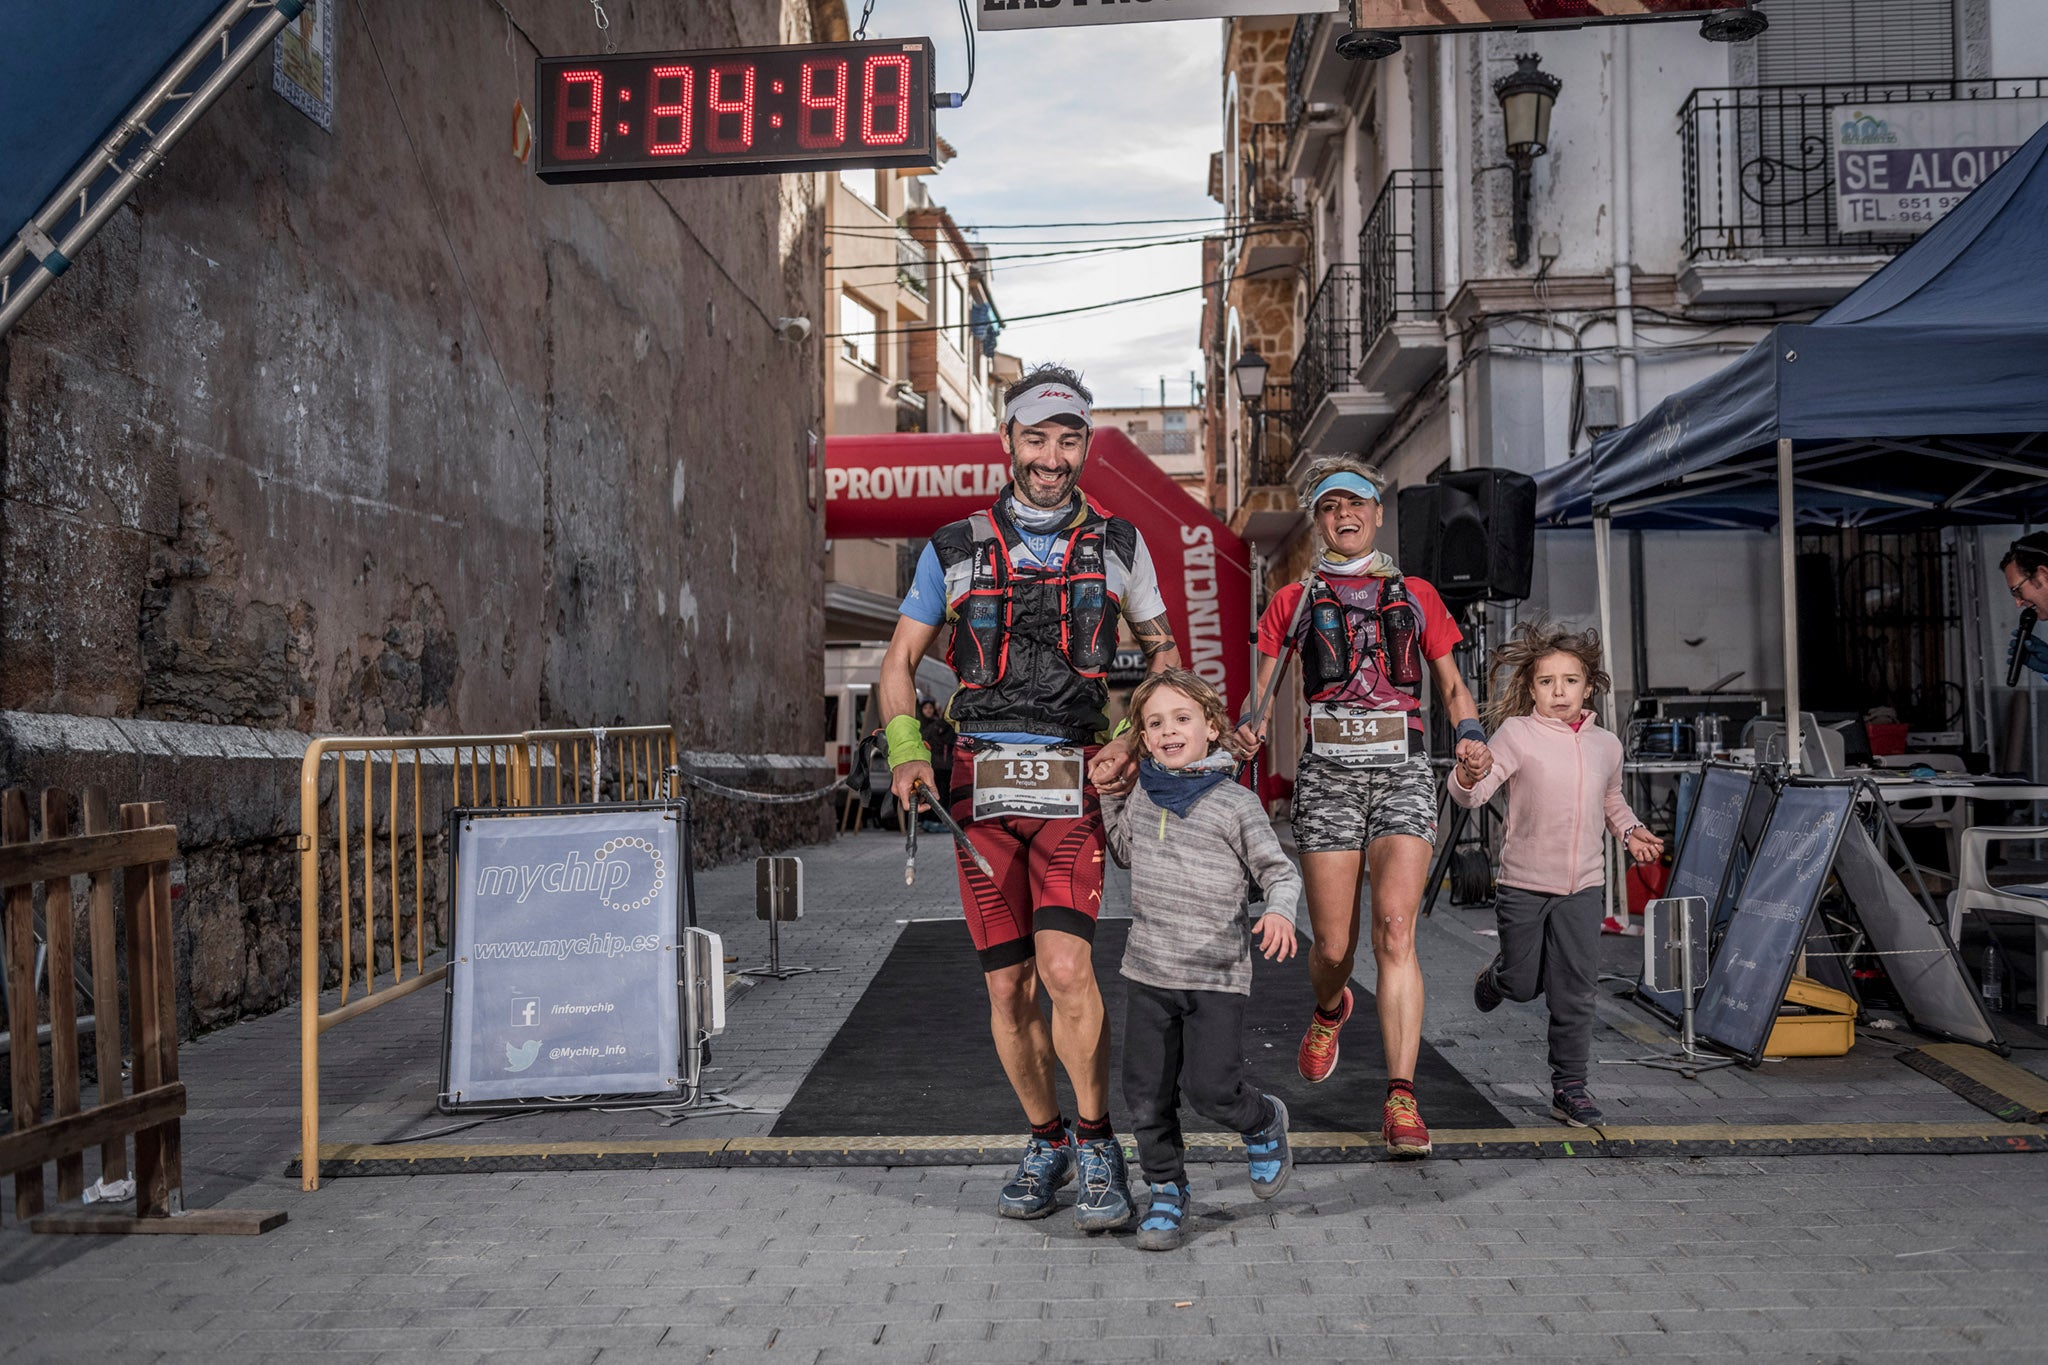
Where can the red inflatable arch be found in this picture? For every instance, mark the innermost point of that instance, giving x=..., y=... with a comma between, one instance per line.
x=908, y=486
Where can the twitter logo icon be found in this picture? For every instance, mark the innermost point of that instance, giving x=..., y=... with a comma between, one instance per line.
x=521, y=1057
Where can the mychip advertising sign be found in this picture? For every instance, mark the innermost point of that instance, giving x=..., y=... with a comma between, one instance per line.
x=566, y=957
x=1900, y=167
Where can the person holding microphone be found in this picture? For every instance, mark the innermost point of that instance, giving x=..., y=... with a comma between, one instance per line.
x=2026, y=576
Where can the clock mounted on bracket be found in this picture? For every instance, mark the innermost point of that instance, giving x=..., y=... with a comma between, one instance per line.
x=737, y=111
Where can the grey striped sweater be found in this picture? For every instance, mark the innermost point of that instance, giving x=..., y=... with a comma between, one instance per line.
x=1190, y=931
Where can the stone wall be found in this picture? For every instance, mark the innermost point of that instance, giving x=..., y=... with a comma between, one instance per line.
x=369, y=431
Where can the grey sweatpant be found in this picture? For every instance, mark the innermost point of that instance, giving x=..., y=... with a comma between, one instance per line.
x=1550, y=946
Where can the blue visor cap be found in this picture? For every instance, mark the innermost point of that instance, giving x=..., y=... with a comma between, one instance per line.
x=1344, y=481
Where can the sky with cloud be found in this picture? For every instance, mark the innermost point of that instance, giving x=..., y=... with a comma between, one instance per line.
x=1091, y=124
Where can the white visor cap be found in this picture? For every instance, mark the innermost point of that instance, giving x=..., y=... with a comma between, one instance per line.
x=1044, y=401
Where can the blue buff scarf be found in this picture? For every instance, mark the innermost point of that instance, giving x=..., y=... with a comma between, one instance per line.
x=1178, y=791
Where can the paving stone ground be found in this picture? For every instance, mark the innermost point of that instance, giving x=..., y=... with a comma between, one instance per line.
x=1795, y=1258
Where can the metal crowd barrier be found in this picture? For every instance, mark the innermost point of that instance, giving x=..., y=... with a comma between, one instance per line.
x=535, y=767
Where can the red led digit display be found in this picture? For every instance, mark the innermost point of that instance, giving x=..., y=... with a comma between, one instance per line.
x=885, y=97
x=729, y=127
x=828, y=101
x=740, y=111
x=670, y=115
x=578, y=132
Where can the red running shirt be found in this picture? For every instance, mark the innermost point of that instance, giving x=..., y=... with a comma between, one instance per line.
x=1440, y=634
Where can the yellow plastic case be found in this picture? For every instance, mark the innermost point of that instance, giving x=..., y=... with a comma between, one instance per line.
x=1824, y=1027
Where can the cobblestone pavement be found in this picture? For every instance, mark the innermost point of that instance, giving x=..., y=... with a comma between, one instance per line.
x=1795, y=1258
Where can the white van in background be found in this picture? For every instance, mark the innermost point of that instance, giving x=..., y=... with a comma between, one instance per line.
x=850, y=674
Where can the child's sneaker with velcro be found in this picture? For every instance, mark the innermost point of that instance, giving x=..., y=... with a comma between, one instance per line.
x=1267, y=1153
x=1161, y=1230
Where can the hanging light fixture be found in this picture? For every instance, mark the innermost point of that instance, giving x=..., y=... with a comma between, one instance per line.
x=1733, y=25
x=1250, y=373
x=1526, y=97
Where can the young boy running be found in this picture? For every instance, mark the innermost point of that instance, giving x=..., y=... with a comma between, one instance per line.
x=1188, y=834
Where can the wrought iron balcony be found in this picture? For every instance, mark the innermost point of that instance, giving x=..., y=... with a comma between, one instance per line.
x=913, y=264
x=1269, y=194
x=1328, y=360
x=1301, y=46
x=1175, y=442
x=1400, y=252
x=1758, y=177
x=1273, y=434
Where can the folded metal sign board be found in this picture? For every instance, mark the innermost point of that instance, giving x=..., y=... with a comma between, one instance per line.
x=1400, y=15
x=1035, y=14
x=1387, y=15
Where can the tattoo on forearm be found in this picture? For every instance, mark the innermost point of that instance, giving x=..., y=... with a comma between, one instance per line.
x=1154, y=636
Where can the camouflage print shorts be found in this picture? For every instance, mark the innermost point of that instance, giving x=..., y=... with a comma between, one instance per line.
x=1340, y=809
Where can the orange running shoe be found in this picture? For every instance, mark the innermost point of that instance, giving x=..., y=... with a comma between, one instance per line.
x=1402, y=1127
x=1318, y=1055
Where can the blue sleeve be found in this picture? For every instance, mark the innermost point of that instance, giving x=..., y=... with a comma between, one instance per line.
x=926, y=601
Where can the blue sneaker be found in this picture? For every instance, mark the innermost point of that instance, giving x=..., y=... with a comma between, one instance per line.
x=1104, y=1201
x=1161, y=1230
x=1044, y=1169
x=1266, y=1149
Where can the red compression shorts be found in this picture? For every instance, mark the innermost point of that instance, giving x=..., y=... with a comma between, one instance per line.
x=1048, y=872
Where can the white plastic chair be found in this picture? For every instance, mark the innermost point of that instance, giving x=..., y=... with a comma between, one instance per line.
x=1945, y=813
x=1975, y=892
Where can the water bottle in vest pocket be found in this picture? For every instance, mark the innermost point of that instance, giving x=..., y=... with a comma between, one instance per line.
x=1091, y=627
x=981, y=630
x=1326, y=653
x=1401, y=630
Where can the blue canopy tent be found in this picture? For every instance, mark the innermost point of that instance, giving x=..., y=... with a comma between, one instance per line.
x=92, y=95
x=1920, y=399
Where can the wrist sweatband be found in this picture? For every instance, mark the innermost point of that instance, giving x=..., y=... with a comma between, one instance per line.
x=906, y=742
x=1473, y=730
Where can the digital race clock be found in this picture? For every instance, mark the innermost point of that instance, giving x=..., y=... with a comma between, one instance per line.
x=741, y=111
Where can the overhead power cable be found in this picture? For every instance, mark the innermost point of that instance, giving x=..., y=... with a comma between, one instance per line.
x=1065, y=312
x=1001, y=258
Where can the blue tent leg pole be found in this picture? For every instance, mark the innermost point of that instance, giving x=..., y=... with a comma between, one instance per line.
x=1603, y=571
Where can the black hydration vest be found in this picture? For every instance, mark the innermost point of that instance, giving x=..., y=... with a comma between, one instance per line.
x=1345, y=629
x=1032, y=646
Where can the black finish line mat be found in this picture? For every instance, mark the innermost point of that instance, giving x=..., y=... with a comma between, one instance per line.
x=914, y=1058
x=1990, y=1082
x=1664, y=1142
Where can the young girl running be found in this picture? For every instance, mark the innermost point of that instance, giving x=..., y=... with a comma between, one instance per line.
x=1189, y=833
x=1563, y=773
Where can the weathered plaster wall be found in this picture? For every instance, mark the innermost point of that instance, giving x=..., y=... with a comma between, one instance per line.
x=370, y=431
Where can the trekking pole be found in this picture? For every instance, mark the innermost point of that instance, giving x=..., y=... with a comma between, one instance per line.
x=910, y=852
x=1257, y=717
x=959, y=834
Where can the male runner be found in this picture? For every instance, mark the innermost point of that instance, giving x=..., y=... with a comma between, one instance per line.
x=1032, y=588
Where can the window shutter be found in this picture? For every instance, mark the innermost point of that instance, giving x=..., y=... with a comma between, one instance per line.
x=1813, y=42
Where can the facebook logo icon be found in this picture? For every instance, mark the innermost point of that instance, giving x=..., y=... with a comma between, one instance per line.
x=525, y=1011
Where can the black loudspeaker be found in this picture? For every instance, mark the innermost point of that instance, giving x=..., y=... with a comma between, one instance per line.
x=1471, y=534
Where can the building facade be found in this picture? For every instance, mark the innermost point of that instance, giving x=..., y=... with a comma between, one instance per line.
x=1171, y=436
x=1421, y=304
x=327, y=435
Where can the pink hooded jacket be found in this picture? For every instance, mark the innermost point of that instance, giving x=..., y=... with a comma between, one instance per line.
x=1564, y=782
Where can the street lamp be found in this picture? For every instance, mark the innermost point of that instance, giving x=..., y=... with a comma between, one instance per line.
x=1526, y=95
x=1250, y=374
x=1733, y=25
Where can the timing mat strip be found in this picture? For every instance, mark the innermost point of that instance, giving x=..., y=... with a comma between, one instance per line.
x=1327, y=1148
x=1990, y=1082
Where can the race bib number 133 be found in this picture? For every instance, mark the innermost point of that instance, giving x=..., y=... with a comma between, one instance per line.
x=1029, y=780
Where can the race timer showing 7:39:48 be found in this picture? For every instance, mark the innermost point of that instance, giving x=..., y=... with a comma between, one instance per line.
x=738, y=111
